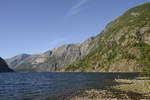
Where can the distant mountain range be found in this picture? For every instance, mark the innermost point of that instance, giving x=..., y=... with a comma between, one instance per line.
x=51, y=60
x=14, y=61
x=123, y=46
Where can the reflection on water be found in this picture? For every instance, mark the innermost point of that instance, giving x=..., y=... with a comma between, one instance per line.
x=41, y=86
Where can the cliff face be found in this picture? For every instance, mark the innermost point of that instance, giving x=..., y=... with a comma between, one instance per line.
x=4, y=66
x=124, y=45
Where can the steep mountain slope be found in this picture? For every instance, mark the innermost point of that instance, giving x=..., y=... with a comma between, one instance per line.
x=56, y=58
x=12, y=62
x=123, y=46
x=4, y=66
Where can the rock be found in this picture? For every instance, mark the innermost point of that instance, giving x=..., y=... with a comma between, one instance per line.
x=134, y=14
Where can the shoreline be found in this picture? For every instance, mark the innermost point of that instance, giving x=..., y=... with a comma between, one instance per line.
x=120, y=89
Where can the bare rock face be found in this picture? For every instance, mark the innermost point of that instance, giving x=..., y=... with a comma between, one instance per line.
x=87, y=46
x=4, y=66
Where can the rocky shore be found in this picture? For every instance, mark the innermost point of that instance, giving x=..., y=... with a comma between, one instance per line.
x=104, y=94
x=138, y=89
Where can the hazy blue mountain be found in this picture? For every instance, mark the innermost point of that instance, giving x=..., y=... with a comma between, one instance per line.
x=12, y=62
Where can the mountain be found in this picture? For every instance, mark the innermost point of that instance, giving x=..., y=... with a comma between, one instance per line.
x=12, y=62
x=56, y=58
x=123, y=46
x=4, y=66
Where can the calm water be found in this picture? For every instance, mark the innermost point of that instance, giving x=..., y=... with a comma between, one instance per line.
x=41, y=86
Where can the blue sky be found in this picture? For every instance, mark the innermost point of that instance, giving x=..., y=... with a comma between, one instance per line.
x=35, y=26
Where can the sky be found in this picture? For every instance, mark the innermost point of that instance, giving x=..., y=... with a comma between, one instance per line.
x=35, y=26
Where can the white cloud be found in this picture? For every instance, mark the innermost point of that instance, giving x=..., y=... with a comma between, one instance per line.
x=76, y=8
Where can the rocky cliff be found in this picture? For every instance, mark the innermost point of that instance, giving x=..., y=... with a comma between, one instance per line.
x=4, y=66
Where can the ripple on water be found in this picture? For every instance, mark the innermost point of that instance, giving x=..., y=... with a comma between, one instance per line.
x=39, y=86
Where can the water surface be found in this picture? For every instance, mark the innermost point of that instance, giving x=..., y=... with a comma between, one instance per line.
x=42, y=86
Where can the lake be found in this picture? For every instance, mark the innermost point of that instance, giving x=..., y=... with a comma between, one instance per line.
x=42, y=86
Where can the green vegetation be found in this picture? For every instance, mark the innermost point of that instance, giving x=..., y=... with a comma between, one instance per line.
x=128, y=56
x=145, y=58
